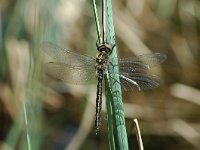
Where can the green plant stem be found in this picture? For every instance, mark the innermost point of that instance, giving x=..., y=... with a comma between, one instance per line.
x=97, y=21
x=116, y=88
x=113, y=98
x=109, y=114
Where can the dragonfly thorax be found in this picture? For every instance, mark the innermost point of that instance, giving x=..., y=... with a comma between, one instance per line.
x=102, y=61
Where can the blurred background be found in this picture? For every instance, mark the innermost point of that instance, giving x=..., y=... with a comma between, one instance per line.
x=41, y=112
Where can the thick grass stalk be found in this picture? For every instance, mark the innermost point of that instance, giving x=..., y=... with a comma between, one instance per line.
x=109, y=117
x=114, y=103
x=116, y=88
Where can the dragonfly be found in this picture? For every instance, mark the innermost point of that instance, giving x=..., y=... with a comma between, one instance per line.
x=76, y=68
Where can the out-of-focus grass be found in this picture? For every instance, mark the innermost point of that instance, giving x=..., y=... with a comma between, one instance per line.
x=55, y=111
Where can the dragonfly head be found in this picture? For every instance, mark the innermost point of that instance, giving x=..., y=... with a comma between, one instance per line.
x=104, y=48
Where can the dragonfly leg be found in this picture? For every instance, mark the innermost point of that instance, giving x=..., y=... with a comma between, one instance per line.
x=113, y=46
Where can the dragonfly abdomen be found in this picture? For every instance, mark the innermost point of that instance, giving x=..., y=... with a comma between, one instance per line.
x=99, y=99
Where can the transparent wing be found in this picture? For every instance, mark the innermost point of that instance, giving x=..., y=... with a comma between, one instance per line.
x=140, y=63
x=65, y=56
x=70, y=66
x=133, y=72
x=138, y=81
x=71, y=74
